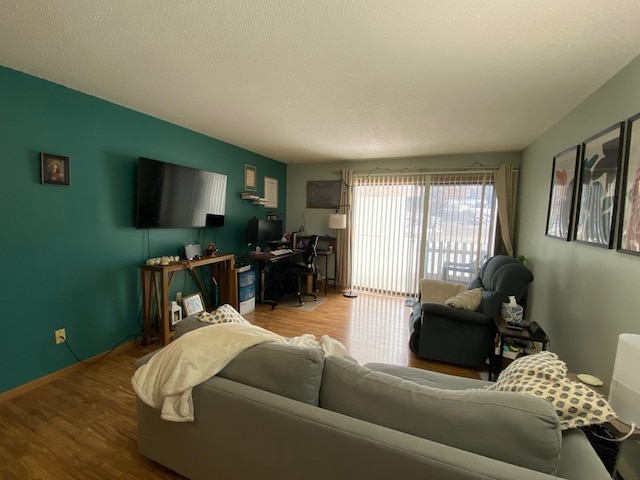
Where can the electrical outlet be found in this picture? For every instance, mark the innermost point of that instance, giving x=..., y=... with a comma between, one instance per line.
x=60, y=336
x=179, y=298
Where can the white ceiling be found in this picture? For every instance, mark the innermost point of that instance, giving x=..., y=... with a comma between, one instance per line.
x=325, y=80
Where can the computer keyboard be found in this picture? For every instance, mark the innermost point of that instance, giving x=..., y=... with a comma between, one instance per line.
x=281, y=251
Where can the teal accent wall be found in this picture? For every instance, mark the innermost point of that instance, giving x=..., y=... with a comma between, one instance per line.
x=70, y=256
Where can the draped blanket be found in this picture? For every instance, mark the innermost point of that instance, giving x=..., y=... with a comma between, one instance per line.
x=167, y=380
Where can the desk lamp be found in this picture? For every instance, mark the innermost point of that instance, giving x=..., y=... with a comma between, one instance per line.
x=624, y=395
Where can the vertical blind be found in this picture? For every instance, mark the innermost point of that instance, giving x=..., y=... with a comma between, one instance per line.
x=411, y=226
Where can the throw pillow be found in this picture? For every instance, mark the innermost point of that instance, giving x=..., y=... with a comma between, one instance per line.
x=469, y=300
x=223, y=314
x=545, y=375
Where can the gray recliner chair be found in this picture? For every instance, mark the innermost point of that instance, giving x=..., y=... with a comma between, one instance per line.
x=461, y=337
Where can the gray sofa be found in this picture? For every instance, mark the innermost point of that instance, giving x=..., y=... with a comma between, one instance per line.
x=286, y=412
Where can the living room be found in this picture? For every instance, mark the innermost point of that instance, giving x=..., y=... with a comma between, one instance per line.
x=73, y=252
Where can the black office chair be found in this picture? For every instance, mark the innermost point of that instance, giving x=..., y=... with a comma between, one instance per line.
x=296, y=272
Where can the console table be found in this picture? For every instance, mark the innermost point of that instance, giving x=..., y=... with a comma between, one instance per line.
x=156, y=284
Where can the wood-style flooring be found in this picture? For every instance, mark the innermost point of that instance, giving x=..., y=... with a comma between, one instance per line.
x=83, y=425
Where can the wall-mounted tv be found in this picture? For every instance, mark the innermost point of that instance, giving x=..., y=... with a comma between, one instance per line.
x=176, y=196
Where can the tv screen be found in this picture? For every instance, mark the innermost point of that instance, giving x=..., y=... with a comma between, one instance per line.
x=175, y=196
x=259, y=231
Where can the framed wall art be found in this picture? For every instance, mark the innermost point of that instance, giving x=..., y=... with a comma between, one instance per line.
x=323, y=193
x=271, y=192
x=562, y=194
x=192, y=304
x=629, y=232
x=250, y=182
x=599, y=178
x=54, y=169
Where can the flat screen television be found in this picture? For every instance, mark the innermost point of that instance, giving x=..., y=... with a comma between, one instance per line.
x=260, y=231
x=176, y=196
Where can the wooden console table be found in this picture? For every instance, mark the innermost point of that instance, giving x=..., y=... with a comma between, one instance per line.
x=156, y=284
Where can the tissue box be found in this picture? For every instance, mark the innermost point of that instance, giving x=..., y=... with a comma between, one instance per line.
x=512, y=313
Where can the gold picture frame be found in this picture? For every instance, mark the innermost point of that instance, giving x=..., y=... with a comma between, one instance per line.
x=192, y=304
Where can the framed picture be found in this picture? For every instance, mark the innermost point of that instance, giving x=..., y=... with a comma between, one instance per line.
x=562, y=194
x=271, y=192
x=250, y=178
x=323, y=193
x=599, y=175
x=192, y=304
x=629, y=233
x=54, y=169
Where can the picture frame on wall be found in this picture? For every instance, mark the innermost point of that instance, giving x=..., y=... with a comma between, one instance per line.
x=629, y=228
x=54, y=169
x=560, y=212
x=192, y=304
x=601, y=157
x=250, y=182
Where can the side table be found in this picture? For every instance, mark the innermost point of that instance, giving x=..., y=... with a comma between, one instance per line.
x=505, y=332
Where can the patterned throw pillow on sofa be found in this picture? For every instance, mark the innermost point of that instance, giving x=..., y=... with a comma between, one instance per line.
x=223, y=314
x=544, y=375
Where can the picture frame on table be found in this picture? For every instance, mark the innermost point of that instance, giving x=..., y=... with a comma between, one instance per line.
x=600, y=163
x=560, y=213
x=192, y=304
x=250, y=181
x=54, y=169
x=629, y=225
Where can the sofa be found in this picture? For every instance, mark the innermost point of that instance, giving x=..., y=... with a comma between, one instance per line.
x=464, y=334
x=289, y=412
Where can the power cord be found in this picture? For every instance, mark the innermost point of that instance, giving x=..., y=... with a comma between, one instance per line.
x=105, y=355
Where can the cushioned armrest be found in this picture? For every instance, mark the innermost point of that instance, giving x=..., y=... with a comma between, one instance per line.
x=456, y=314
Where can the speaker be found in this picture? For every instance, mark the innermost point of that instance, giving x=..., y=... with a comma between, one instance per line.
x=193, y=251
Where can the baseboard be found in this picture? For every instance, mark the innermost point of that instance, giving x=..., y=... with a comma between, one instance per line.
x=38, y=382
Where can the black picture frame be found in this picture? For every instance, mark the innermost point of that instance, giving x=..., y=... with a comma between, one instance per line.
x=250, y=178
x=562, y=193
x=629, y=225
x=600, y=162
x=54, y=169
x=323, y=193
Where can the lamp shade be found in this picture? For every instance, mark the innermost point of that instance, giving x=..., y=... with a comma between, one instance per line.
x=624, y=395
x=338, y=221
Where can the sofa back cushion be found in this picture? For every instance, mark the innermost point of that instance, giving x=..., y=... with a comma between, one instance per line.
x=291, y=371
x=506, y=427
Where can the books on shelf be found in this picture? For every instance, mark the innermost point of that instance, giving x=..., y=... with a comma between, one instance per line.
x=249, y=196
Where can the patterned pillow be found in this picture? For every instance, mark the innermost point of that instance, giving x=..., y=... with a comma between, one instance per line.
x=468, y=300
x=223, y=314
x=544, y=375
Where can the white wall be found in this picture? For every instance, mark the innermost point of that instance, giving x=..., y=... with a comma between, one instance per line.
x=314, y=220
x=583, y=296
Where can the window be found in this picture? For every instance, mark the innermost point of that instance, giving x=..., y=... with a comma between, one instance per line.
x=395, y=243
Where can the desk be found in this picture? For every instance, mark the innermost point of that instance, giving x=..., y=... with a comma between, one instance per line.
x=264, y=259
x=156, y=282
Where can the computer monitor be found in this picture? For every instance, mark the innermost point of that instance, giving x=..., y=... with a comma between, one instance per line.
x=260, y=231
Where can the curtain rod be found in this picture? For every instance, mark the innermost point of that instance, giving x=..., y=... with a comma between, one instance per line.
x=425, y=171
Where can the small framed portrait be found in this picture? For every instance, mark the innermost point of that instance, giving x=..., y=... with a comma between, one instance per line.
x=192, y=304
x=54, y=169
x=250, y=178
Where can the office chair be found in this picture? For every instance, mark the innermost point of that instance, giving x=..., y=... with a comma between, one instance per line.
x=296, y=272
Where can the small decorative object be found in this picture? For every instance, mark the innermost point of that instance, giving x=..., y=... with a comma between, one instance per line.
x=629, y=234
x=250, y=178
x=599, y=172
x=54, y=169
x=211, y=249
x=562, y=194
x=176, y=313
x=512, y=312
x=192, y=304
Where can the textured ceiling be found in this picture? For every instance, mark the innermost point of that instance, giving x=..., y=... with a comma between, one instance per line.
x=325, y=80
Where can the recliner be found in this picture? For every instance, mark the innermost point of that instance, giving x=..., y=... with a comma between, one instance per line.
x=461, y=337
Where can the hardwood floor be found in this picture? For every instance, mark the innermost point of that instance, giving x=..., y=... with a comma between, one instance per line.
x=83, y=425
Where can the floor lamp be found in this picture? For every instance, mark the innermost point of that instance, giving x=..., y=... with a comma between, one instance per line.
x=338, y=221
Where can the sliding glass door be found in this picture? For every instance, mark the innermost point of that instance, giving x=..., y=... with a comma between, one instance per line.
x=395, y=243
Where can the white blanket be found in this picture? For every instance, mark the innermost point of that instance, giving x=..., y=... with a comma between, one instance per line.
x=167, y=380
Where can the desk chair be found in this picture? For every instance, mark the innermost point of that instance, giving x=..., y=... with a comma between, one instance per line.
x=296, y=272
